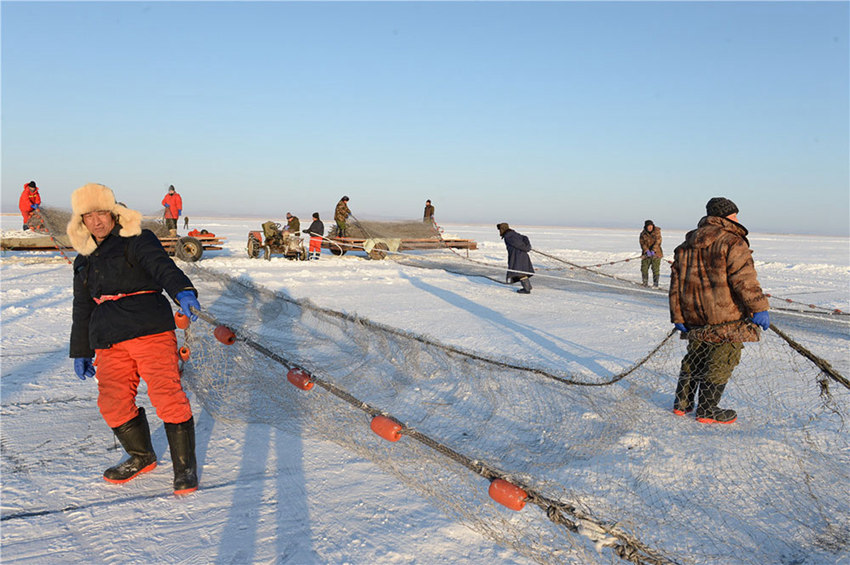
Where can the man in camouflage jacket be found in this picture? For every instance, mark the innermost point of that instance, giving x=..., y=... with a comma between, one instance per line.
x=341, y=214
x=717, y=303
x=650, y=251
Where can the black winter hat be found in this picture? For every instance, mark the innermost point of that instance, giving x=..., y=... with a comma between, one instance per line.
x=344, y=198
x=503, y=227
x=31, y=184
x=719, y=206
x=648, y=223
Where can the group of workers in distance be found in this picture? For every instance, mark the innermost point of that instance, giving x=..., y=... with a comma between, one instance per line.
x=123, y=328
x=715, y=301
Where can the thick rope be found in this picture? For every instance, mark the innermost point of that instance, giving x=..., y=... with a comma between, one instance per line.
x=623, y=545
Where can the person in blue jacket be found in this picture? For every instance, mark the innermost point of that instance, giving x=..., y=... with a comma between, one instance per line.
x=519, y=263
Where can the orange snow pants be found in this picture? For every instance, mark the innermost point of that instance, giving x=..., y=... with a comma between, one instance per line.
x=315, y=245
x=151, y=357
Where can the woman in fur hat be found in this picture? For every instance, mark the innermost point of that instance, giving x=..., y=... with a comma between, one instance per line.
x=122, y=319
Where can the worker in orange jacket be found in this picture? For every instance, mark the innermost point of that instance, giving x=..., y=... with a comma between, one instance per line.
x=30, y=202
x=173, y=208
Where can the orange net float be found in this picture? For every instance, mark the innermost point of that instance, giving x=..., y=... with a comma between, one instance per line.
x=387, y=428
x=225, y=335
x=507, y=494
x=300, y=378
x=181, y=320
x=184, y=353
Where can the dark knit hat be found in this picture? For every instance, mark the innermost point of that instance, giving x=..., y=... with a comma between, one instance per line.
x=503, y=227
x=719, y=206
x=31, y=184
x=344, y=198
x=171, y=187
x=648, y=223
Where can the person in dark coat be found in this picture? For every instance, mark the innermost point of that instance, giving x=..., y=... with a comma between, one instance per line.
x=316, y=231
x=519, y=263
x=121, y=317
x=716, y=303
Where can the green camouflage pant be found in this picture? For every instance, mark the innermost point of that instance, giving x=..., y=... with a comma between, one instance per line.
x=645, y=263
x=711, y=362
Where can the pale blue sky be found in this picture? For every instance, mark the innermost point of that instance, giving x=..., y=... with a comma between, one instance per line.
x=567, y=113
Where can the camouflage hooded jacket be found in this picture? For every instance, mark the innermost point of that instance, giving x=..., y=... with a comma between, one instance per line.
x=713, y=283
x=651, y=240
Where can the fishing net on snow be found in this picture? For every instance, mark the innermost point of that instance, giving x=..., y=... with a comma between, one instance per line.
x=55, y=220
x=629, y=479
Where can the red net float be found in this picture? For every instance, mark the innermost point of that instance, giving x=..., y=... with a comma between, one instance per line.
x=184, y=353
x=300, y=378
x=507, y=494
x=387, y=428
x=225, y=335
x=181, y=320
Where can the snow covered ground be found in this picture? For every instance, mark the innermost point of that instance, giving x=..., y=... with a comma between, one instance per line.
x=270, y=495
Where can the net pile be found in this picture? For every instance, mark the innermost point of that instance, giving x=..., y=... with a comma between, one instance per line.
x=389, y=230
x=55, y=220
x=628, y=479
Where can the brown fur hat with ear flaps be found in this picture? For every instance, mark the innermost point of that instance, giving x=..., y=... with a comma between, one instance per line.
x=91, y=198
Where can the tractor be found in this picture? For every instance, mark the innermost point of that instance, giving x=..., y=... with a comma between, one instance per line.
x=273, y=240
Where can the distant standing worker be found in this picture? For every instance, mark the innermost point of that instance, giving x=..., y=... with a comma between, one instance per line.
x=341, y=215
x=717, y=303
x=428, y=218
x=519, y=263
x=316, y=231
x=650, y=250
x=29, y=202
x=185, y=222
x=122, y=318
x=173, y=208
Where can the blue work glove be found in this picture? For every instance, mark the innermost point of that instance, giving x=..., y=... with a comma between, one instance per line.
x=179, y=212
x=187, y=301
x=762, y=319
x=34, y=206
x=650, y=253
x=83, y=367
x=681, y=328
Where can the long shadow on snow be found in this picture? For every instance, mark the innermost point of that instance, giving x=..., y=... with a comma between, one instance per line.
x=239, y=537
x=523, y=331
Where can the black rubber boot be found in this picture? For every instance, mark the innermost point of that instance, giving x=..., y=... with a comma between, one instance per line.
x=181, y=440
x=686, y=389
x=707, y=410
x=135, y=438
x=655, y=280
x=526, y=286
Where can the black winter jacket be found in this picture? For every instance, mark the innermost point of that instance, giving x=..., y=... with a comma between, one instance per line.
x=518, y=259
x=316, y=229
x=123, y=265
